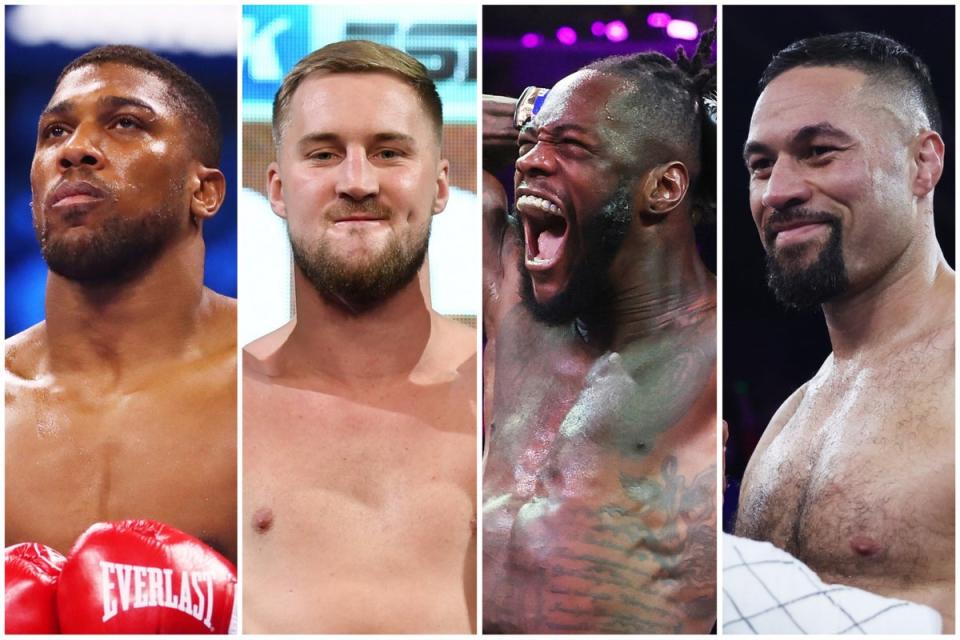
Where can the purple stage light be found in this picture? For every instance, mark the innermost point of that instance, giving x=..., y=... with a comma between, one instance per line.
x=566, y=35
x=531, y=40
x=682, y=30
x=598, y=28
x=617, y=31
x=658, y=19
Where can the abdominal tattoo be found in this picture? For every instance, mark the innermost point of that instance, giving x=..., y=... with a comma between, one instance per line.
x=644, y=565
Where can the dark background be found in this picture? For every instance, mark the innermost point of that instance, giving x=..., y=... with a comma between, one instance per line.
x=31, y=73
x=508, y=67
x=768, y=352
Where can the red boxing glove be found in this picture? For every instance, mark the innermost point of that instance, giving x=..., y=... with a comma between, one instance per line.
x=32, y=573
x=140, y=576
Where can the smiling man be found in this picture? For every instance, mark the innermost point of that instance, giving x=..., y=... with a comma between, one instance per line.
x=599, y=484
x=854, y=475
x=360, y=415
x=122, y=403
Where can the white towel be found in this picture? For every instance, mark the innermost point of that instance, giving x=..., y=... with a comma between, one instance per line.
x=766, y=590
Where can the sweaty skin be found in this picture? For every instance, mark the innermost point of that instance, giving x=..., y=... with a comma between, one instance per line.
x=122, y=403
x=855, y=473
x=599, y=483
x=501, y=280
x=360, y=428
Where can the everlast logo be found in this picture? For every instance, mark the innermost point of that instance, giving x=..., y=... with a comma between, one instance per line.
x=130, y=586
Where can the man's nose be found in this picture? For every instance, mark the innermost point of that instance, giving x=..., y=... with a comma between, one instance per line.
x=539, y=160
x=357, y=178
x=82, y=148
x=786, y=186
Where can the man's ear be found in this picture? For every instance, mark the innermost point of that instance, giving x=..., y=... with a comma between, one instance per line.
x=929, y=160
x=443, y=187
x=209, y=191
x=664, y=188
x=275, y=190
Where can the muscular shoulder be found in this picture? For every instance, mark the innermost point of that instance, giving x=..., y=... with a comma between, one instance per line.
x=456, y=339
x=789, y=407
x=257, y=361
x=219, y=322
x=451, y=355
x=25, y=353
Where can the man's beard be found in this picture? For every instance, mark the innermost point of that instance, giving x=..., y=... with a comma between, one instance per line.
x=589, y=290
x=359, y=288
x=806, y=287
x=115, y=250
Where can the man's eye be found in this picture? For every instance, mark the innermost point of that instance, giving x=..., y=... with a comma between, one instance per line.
x=759, y=165
x=389, y=154
x=126, y=122
x=524, y=147
x=821, y=150
x=321, y=156
x=55, y=131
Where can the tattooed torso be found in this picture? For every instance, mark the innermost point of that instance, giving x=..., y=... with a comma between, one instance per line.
x=600, y=485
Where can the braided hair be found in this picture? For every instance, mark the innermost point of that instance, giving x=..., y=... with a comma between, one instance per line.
x=674, y=105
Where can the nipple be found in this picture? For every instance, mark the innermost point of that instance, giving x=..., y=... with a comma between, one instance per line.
x=262, y=519
x=864, y=546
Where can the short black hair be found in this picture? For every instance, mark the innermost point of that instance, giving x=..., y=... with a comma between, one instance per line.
x=675, y=102
x=877, y=56
x=198, y=106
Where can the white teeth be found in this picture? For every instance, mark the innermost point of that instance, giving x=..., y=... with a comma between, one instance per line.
x=539, y=203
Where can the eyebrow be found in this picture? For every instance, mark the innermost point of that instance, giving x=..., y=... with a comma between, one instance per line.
x=802, y=135
x=559, y=129
x=114, y=102
x=329, y=136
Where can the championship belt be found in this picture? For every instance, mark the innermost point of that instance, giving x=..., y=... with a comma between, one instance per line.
x=528, y=105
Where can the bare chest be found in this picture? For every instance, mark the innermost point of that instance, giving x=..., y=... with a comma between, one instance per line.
x=373, y=485
x=859, y=482
x=561, y=423
x=165, y=452
x=599, y=510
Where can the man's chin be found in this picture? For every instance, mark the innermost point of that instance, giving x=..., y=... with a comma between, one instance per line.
x=96, y=264
x=805, y=285
x=549, y=303
x=360, y=284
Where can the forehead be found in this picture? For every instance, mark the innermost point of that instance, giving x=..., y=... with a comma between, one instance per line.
x=582, y=99
x=806, y=96
x=91, y=82
x=357, y=104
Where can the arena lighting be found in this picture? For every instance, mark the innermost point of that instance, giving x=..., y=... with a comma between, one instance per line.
x=531, y=40
x=566, y=35
x=658, y=19
x=682, y=30
x=598, y=28
x=617, y=31
x=207, y=30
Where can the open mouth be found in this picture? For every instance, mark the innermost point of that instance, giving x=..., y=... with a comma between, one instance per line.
x=545, y=230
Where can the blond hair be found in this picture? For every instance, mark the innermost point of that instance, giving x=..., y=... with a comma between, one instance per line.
x=358, y=56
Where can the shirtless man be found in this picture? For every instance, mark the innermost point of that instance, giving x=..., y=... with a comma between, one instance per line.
x=122, y=403
x=359, y=416
x=599, y=484
x=854, y=475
